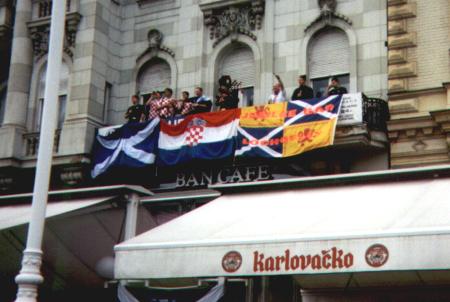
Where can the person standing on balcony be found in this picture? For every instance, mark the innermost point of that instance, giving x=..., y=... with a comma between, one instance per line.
x=303, y=91
x=136, y=112
x=226, y=99
x=200, y=102
x=151, y=105
x=166, y=106
x=335, y=87
x=184, y=105
x=278, y=92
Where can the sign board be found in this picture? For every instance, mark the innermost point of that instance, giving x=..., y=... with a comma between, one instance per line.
x=237, y=174
x=286, y=258
x=351, y=109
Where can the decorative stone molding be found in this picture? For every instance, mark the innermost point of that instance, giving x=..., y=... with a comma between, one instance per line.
x=420, y=140
x=402, y=11
x=6, y=182
x=40, y=29
x=404, y=106
x=402, y=41
x=402, y=70
x=242, y=19
x=442, y=118
x=397, y=85
x=72, y=176
x=397, y=27
x=396, y=2
x=397, y=56
x=155, y=39
x=360, y=136
x=30, y=275
x=327, y=13
x=398, y=40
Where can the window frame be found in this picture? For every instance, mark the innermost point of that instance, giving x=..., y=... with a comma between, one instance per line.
x=61, y=114
x=328, y=78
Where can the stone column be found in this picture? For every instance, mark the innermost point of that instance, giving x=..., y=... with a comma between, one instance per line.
x=20, y=68
x=14, y=121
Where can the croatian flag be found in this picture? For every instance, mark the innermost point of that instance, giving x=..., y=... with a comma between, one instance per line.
x=199, y=136
x=131, y=145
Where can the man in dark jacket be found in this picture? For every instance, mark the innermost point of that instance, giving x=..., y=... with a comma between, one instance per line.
x=136, y=112
x=303, y=91
x=200, y=102
x=335, y=87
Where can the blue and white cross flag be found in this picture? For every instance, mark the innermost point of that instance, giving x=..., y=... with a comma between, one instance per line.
x=132, y=145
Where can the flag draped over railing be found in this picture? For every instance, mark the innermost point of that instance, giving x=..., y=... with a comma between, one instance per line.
x=274, y=131
x=287, y=129
x=132, y=145
x=203, y=136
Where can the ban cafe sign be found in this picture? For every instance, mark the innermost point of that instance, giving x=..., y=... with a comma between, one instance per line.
x=376, y=255
x=223, y=176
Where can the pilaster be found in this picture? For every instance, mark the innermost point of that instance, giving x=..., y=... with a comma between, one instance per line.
x=18, y=85
x=400, y=38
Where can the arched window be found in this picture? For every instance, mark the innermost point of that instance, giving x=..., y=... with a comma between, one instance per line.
x=155, y=75
x=329, y=56
x=238, y=62
x=62, y=93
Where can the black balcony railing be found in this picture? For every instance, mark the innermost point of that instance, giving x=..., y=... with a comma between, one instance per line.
x=375, y=113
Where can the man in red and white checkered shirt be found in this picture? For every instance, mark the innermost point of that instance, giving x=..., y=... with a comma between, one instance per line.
x=163, y=107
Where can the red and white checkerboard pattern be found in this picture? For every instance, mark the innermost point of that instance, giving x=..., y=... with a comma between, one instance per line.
x=195, y=134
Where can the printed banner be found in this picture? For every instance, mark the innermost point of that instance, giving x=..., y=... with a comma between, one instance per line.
x=287, y=129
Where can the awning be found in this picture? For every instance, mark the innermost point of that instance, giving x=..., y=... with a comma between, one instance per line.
x=18, y=214
x=394, y=226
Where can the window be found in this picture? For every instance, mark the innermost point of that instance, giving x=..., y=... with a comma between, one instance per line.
x=106, y=101
x=154, y=75
x=239, y=63
x=63, y=88
x=2, y=103
x=320, y=85
x=328, y=56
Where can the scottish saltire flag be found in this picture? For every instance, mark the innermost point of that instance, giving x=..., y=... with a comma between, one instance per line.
x=131, y=145
x=199, y=136
x=287, y=129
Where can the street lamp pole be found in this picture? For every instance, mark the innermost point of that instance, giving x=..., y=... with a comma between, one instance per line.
x=30, y=275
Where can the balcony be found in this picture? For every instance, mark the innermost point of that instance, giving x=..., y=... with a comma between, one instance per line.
x=362, y=124
x=360, y=144
x=31, y=143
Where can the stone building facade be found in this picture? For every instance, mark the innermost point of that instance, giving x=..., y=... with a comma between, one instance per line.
x=419, y=76
x=397, y=50
x=114, y=49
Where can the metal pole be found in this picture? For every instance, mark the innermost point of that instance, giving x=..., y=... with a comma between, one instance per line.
x=30, y=275
x=131, y=215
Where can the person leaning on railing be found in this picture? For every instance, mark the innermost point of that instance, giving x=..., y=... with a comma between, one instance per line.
x=183, y=106
x=200, y=102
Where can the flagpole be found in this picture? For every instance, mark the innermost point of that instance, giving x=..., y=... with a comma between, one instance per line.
x=30, y=275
